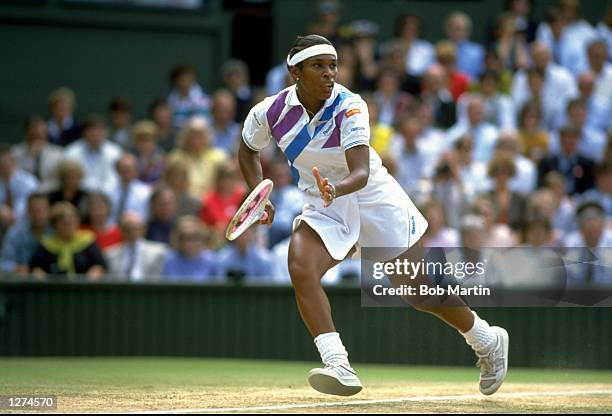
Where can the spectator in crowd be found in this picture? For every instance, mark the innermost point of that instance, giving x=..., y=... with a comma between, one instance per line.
x=602, y=193
x=525, y=25
x=592, y=140
x=412, y=163
x=36, y=155
x=448, y=188
x=131, y=195
x=21, y=240
x=287, y=200
x=235, y=75
x=419, y=53
x=390, y=99
x=62, y=128
x=473, y=174
x=327, y=23
x=601, y=68
x=510, y=44
x=599, y=107
x=494, y=233
x=347, y=73
x=470, y=55
x=196, y=151
x=380, y=133
x=471, y=232
x=499, y=108
x=15, y=186
x=436, y=94
x=68, y=251
x=187, y=98
x=277, y=79
x=363, y=35
x=587, y=266
x=604, y=29
x=149, y=156
x=446, y=55
x=577, y=169
x=97, y=154
x=226, y=131
x=550, y=33
x=431, y=138
x=510, y=206
x=120, y=113
x=162, y=215
x=563, y=206
x=161, y=114
x=558, y=86
x=393, y=55
x=135, y=259
x=98, y=220
x=485, y=134
x=243, y=260
x=190, y=260
x=220, y=205
x=532, y=137
x=538, y=233
x=575, y=36
x=438, y=234
x=493, y=63
x=70, y=176
x=176, y=177
x=526, y=178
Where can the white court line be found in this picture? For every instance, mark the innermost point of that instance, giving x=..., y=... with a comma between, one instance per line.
x=382, y=401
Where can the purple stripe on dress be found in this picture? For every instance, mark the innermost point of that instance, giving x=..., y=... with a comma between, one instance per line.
x=276, y=109
x=287, y=123
x=334, y=138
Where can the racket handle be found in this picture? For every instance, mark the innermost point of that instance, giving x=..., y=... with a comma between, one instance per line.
x=264, y=216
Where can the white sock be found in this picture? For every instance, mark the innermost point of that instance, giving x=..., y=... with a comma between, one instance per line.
x=481, y=338
x=331, y=348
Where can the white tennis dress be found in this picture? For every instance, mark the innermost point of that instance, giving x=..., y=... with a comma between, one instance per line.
x=378, y=215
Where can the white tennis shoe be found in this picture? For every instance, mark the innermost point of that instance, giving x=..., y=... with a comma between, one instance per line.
x=494, y=364
x=337, y=379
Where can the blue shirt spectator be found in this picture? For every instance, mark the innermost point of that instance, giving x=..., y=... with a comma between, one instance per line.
x=470, y=55
x=187, y=99
x=190, y=261
x=244, y=261
x=21, y=240
x=15, y=186
x=201, y=268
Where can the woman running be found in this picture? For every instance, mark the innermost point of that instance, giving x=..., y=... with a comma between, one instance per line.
x=351, y=199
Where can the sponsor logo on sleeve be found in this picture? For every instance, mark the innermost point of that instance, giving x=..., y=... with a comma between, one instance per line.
x=352, y=112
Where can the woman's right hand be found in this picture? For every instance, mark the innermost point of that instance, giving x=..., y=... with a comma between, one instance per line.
x=268, y=215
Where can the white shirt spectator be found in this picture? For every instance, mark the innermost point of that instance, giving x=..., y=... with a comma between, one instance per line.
x=499, y=110
x=559, y=87
x=604, y=32
x=419, y=56
x=98, y=164
x=133, y=198
x=137, y=262
x=45, y=165
x=20, y=185
x=484, y=134
x=572, y=44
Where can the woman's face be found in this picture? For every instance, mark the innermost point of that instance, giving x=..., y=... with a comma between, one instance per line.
x=98, y=210
x=66, y=227
x=316, y=77
x=72, y=181
x=196, y=141
x=145, y=144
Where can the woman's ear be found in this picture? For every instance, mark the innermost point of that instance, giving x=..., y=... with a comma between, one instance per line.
x=294, y=71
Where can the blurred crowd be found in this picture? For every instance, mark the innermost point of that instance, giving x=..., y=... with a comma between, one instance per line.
x=501, y=144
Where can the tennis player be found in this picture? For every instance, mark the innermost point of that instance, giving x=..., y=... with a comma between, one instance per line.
x=350, y=199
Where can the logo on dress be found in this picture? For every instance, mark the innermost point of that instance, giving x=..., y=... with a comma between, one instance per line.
x=352, y=112
x=413, y=225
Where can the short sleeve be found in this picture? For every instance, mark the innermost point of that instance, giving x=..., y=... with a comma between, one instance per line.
x=355, y=125
x=255, y=133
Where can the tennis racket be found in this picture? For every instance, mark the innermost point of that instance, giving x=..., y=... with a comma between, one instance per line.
x=251, y=210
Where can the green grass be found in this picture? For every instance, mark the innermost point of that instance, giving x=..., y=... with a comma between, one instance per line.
x=75, y=375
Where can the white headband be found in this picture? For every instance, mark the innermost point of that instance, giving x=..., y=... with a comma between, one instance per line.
x=322, y=49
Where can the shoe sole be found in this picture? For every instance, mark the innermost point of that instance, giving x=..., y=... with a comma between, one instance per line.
x=496, y=386
x=326, y=384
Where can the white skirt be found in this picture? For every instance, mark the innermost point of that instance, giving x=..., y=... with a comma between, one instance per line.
x=379, y=215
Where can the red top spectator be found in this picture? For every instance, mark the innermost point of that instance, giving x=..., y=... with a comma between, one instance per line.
x=221, y=204
x=458, y=82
